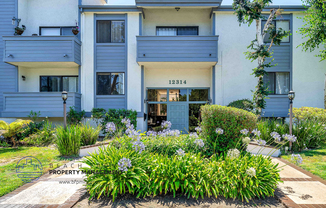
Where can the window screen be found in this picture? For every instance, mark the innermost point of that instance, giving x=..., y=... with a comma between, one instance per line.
x=58, y=83
x=278, y=83
x=108, y=31
x=110, y=83
x=174, y=31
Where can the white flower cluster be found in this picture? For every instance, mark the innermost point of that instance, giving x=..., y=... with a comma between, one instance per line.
x=166, y=125
x=276, y=136
x=219, y=131
x=198, y=129
x=151, y=133
x=251, y=172
x=110, y=127
x=261, y=142
x=246, y=140
x=244, y=132
x=193, y=135
x=138, y=146
x=256, y=132
x=297, y=158
x=199, y=142
x=290, y=138
x=233, y=153
x=124, y=164
x=180, y=152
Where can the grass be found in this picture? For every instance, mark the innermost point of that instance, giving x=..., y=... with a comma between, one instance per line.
x=314, y=161
x=9, y=157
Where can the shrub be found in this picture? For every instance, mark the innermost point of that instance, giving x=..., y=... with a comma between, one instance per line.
x=148, y=174
x=266, y=127
x=34, y=116
x=115, y=116
x=97, y=114
x=11, y=130
x=114, y=181
x=89, y=134
x=43, y=137
x=163, y=145
x=308, y=113
x=29, y=129
x=229, y=119
x=244, y=104
x=68, y=140
x=74, y=117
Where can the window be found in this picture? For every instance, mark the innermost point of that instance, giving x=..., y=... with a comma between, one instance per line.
x=284, y=24
x=56, y=31
x=174, y=31
x=110, y=83
x=177, y=95
x=58, y=83
x=108, y=31
x=278, y=83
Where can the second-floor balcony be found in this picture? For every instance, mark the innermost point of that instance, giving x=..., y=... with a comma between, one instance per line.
x=42, y=51
x=177, y=49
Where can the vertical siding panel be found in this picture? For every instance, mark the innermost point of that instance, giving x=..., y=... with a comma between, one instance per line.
x=8, y=73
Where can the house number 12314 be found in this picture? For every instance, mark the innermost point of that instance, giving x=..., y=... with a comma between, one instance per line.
x=177, y=81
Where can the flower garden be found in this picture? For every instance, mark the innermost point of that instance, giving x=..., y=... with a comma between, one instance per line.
x=211, y=162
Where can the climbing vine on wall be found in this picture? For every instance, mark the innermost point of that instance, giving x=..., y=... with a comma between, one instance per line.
x=249, y=11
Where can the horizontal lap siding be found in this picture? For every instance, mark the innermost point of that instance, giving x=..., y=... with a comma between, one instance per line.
x=276, y=107
x=8, y=73
x=279, y=106
x=77, y=53
x=111, y=59
x=39, y=51
x=282, y=57
x=177, y=49
x=39, y=102
x=106, y=103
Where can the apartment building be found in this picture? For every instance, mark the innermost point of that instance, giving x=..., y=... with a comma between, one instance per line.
x=162, y=58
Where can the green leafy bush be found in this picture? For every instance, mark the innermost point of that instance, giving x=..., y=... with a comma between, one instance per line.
x=244, y=104
x=148, y=174
x=11, y=131
x=29, y=129
x=68, y=140
x=267, y=126
x=163, y=145
x=229, y=119
x=97, y=114
x=43, y=137
x=115, y=116
x=74, y=117
x=89, y=134
x=308, y=113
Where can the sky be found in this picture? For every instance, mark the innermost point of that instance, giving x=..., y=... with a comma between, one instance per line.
x=275, y=2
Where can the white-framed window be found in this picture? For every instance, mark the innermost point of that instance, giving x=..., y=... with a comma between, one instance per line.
x=56, y=31
x=283, y=24
x=176, y=31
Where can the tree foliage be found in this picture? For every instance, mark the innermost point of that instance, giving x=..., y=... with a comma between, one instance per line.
x=314, y=28
x=249, y=11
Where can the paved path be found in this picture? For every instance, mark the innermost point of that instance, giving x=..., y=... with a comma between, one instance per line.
x=300, y=189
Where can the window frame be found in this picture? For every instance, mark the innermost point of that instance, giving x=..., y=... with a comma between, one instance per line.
x=263, y=22
x=111, y=20
x=61, y=77
x=124, y=84
x=40, y=29
x=275, y=82
x=177, y=27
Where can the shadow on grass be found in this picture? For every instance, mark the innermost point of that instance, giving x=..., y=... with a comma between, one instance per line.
x=11, y=149
x=315, y=152
x=180, y=201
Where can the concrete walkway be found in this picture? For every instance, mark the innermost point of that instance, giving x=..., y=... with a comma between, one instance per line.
x=300, y=189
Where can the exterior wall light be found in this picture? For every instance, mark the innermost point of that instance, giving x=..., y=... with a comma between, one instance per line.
x=177, y=8
x=24, y=78
x=14, y=19
x=64, y=96
x=291, y=96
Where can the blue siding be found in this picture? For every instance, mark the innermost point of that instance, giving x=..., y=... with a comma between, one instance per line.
x=277, y=106
x=213, y=3
x=177, y=49
x=41, y=49
x=19, y=104
x=111, y=57
x=8, y=73
x=282, y=57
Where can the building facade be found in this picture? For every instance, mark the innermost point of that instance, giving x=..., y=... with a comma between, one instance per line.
x=162, y=58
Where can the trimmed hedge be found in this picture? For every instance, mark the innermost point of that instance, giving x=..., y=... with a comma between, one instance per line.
x=308, y=113
x=244, y=104
x=231, y=120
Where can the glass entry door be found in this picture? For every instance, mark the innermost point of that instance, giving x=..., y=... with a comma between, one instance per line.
x=180, y=106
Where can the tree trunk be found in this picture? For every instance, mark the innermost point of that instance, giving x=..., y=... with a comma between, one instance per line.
x=260, y=42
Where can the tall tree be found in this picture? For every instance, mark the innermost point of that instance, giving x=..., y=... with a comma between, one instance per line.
x=314, y=29
x=249, y=11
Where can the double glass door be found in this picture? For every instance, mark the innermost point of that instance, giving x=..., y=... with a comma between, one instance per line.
x=180, y=106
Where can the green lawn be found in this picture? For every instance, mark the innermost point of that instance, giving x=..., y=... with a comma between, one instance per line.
x=314, y=161
x=9, y=157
